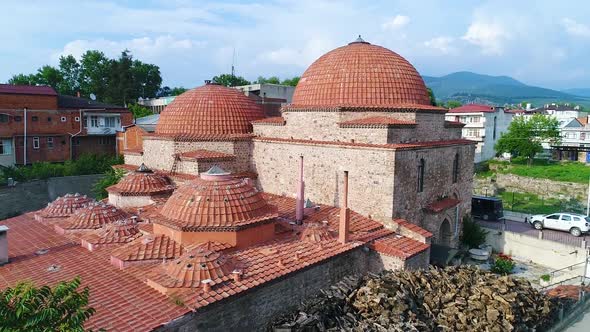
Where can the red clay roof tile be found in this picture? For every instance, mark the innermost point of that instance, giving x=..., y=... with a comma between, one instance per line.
x=142, y=183
x=206, y=155
x=274, y=121
x=442, y=204
x=93, y=216
x=473, y=108
x=65, y=206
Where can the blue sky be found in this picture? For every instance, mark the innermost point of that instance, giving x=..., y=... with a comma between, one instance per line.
x=545, y=43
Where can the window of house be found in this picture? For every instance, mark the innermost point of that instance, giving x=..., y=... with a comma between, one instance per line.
x=18, y=118
x=582, y=136
x=63, y=119
x=3, y=118
x=421, y=167
x=94, y=121
x=34, y=118
x=5, y=147
x=48, y=119
x=109, y=122
x=463, y=119
x=85, y=121
x=456, y=168
x=475, y=119
x=76, y=141
x=50, y=142
x=35, y=142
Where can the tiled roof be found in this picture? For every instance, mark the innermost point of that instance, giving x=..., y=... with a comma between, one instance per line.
x=377, y=121
x=148, y=248
x=121, y=231
x=583, y=120
x=442, y=204
x=206, y=204
x=142, y=183
x=212, y=111
x=197, y=264
x=27, y=90
x=206, y=155
x=473, y=108
x=397, y=146
x=65, y=206
x=454, y=124
x=359, y=75
x=567, y=291
x=122, y=301
x=316, y=232
x=72, y=102
x=399, y=246
x=413, y=227
x=93, y=216
x=274, y=121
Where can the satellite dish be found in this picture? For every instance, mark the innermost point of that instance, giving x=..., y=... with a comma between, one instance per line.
x=92, y=96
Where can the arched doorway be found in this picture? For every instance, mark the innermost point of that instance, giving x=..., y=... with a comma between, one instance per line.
x=444, y=233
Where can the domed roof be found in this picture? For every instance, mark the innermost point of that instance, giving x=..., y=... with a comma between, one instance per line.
x=142, y=182
x=209, y=111
x=361, y=75
x=120, y=231
x=216, y=201
x=195, y=265
x=65, y=206
x=93, y=216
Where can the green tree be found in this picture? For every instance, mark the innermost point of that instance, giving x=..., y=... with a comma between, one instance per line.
x=22, y=79
x=432, y=97
x=269, y=80
x=453, y=104
x=70, y=70
x=139, y=111
x=230, y=80
x=524, y=137
x=146, y=79
x=177, y=91
x=61, y=308
x=121, y=86
x=95, y=68
x=112, y=177
x=291, y=81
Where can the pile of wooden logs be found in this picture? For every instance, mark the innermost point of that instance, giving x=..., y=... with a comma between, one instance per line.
x=450, y=299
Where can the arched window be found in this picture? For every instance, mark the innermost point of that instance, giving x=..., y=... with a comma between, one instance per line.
x=421, y=168
x=456, y=168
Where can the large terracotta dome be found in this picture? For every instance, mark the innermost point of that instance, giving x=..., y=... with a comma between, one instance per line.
x=216, y=201
x=361, y=75
x=209, y=111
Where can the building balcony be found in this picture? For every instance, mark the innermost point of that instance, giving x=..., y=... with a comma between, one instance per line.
x=103, y=130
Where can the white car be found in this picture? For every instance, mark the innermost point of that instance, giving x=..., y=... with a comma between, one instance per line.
x=574, y=223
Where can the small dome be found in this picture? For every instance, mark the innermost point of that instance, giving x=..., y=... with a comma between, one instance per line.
x=361, y=75
x=209, y=111
x=216, y=200
x=316, y=232
x=65, y=206
x=93, y=216
x=195, y=265
x=143, y=182
x=120, y=231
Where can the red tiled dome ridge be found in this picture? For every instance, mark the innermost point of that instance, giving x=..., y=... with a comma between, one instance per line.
x=210, y=111
x=361, y=75
x=143, y=182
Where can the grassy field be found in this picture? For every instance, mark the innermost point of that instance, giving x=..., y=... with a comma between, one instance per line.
x=531, y=203
x=543, y=169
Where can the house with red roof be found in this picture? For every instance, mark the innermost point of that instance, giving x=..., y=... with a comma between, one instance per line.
x=483, y=124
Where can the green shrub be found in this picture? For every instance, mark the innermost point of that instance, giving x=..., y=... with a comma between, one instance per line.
x=546, y=277
x=473, y=235
x=503, y=265
x=112, y=177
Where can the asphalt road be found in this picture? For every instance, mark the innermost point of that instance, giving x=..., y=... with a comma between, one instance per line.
x=527, y=229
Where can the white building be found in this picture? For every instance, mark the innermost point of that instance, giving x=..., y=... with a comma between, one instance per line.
x=272, y=91
x=575, y=141
x=563, y=113
x=484, y=124
x=156, y=105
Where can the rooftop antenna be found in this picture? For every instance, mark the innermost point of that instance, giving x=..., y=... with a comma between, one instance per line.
x=233, y=60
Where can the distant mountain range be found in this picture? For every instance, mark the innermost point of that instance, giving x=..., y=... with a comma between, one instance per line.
x=471, y=87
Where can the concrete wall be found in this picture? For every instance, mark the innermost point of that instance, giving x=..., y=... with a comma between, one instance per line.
x=543, y=252
x=34, y=195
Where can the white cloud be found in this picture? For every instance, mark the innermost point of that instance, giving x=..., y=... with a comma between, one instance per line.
x=145, y=48
x=396, y=22
x=490, y=37
x=301, y=57
x=442, y=44
x=574, y=28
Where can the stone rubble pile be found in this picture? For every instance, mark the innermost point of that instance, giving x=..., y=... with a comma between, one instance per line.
x=450, y=299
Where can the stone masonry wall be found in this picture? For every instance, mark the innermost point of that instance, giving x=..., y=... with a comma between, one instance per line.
x=409, y=204
x=370, y=174
x=133, y=159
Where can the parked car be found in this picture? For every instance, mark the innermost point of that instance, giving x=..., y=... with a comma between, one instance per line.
x=487, y=208
x=576, y=224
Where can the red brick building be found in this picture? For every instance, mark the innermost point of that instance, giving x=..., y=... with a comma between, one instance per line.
x=54, y=128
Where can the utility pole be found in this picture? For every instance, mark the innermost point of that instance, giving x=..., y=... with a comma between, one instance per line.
x=588, y=203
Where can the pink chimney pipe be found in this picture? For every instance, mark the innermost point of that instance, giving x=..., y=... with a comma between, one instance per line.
x=300, y=194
